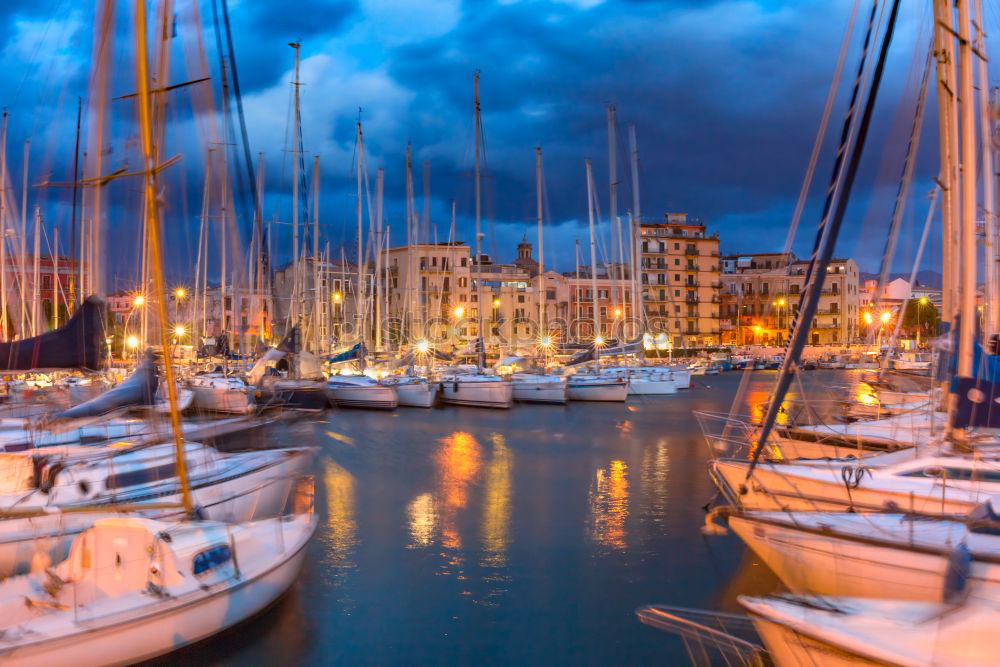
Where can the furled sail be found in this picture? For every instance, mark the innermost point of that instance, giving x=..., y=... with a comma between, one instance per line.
x=79, y=344
x=137, y=389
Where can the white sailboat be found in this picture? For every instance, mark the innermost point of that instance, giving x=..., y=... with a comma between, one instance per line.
x=217, y=392
x=539, y=388
x=413, y=391
x=360, y=391
x=476, y=390
x=133, y=589
x=584, y=387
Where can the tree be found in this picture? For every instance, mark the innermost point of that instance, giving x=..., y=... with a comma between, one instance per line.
x=921, y=313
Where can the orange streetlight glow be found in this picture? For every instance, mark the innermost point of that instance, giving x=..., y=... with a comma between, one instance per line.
x=459, y=311
x=867, y=317
x=138, y=300
x=885, y=316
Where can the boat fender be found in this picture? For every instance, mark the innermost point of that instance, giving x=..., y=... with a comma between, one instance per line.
x=454, y=386
x=957, y=576
x=49, y=477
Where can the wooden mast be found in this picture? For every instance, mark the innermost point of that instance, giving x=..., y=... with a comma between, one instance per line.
x=152, y=222
x=967, y=284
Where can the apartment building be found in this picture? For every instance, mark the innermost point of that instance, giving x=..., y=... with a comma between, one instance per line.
x=428, y=291
x=679, y=275
x=760, y=296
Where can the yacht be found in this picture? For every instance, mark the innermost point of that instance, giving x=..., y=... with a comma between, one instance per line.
x=581, y=387
x=539, y=388
x=413, y=391
x=476, y=390
x=217, y=392
x=360, y=391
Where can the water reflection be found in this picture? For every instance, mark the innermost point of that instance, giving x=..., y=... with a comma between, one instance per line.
x=758, y=400
x=609, y=505
x=496, y=503
x=458, y=460
x=422, y=517
x=341, y=534
x=655, y=471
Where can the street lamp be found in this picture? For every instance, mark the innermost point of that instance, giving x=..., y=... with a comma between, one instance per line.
x=337, y=297
x=459, y=312
x=180, y=293
x=179, y=331
x=867, y=317
x=139, y=300
x=885, y=316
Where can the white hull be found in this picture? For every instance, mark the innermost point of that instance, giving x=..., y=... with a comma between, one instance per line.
x=598, y=391
x=788, y=648
x=477, y=394
x=540, y=392
x=378, y=397
x=894, y=562
x=167, y=624
x=417, y=395
x=643, y=387
x=219, y=399
x=257, y=495
x=777, y=488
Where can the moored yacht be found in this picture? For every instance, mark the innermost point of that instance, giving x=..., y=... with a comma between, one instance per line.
x=475, y=390
x=413, y=391
x=360, y=391
x=539, y=388
x=582, y=387
x=217, y=392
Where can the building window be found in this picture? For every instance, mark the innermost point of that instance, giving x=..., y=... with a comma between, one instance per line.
x=677, y=246
x=794, y=289
x=677, y=293
x=47, y=281
x=464, y=261
x=677, y=261
x=520, y=298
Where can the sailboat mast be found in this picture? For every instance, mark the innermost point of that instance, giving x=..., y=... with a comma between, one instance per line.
x=542, y=330
x=479, y=257
x=34, y=273
x=991, y=316
x=616, y=227
x=3, y=229
x=55, y=277
x=316, y=263
x=73, y=223
x=360, y=293
x=593, y=253
x=23, y=260
x=579, y=306
x=968, y=249
x=293, y=309
x=379, y=288
x=637, y=308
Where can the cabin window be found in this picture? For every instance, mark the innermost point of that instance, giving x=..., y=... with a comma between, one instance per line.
x=142, y=476
x=210, y=559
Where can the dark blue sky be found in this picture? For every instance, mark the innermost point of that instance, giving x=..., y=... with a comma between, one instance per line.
x=726, y=97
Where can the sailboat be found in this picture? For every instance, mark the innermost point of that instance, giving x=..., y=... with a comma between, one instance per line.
x=471, y=387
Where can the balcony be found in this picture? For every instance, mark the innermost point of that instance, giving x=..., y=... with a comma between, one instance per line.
x=691, y=284
x=691, y=251
x=691, y=299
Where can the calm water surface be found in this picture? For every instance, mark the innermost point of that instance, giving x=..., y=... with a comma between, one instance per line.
x=526, y=536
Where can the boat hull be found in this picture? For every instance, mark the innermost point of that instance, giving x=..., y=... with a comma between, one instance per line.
x=417, y=395
x=477, y=394
x=216, y=399
x=540, y=392
x=374, y=397
x=643, y=387
x=598, y=391
x=129, y=637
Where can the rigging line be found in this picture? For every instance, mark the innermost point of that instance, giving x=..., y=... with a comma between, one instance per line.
x=825, y=252
x=832, y=191
x=831, y=96
x=903, y=192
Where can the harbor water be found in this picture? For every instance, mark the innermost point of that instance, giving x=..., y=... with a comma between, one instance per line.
x=523, y=536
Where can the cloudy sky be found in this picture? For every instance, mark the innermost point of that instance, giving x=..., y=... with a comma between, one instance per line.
x=726, y=97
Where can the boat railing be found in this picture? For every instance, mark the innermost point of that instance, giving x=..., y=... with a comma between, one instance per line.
x=710, y=637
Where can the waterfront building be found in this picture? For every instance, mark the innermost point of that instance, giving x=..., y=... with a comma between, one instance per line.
x=680, y=279
x=32, y=307
x=333, y=298
x=760, y=295
x=428, y=289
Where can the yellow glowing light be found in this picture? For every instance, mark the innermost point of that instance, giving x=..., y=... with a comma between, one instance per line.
x=779, y=302
x=599, y=340
x=756, y=328
x=885, y=316
x=423, y=347
x=138, y=300
x=180, y=293
x=132, y=342
x=618, y=312
x=337, y=297
x=923, y=301
x=179, y=330
x=496, y=303
x=867, y=318
x=545, y=341
x=459, y=311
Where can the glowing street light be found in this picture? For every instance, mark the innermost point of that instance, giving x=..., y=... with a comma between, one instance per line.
x=180, y=293
x=132, y=342
x=923, y=301
x=496, y=303
x=139, y=300
x=545, y=342
x=599, y=340
x=867, y=317
x=459, y=312
x=423, y=346
x=885, y=316
x=618, y=312
x=756, y=328
x=337, y=297
x=179, y=331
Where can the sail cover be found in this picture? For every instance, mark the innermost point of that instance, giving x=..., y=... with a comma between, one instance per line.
x=79, y=344
x=137, y=389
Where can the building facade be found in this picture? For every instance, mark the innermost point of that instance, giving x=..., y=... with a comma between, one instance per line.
x=760, y=297
x=679, y=277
